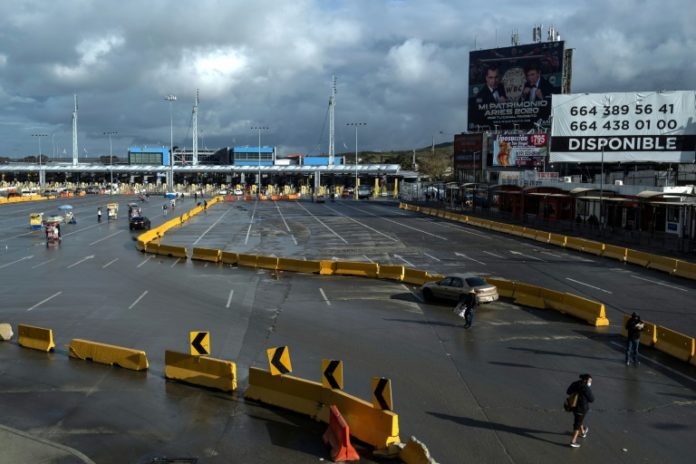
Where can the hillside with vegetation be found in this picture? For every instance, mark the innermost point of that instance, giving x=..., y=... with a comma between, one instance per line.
x=437, y=165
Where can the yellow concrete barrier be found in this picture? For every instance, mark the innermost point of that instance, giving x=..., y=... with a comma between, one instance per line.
x=674, y=343
x=199, y=370
x=247, y=260
x=103, y=353
x=558, y=239
x=542, y=236
x=506, y=288
x=376, y=427
x=152, y=247
x=390, y=271
x=640, y=258
x=517, y=230
x=229, y=257
x=140, y=245
x=528, y=295
x=553, y=299
x=299, y=265
x=355, y=268
x=415, y=276
x=613, y=251
x=206, y=254
x=591, y=311
x=267, y=262
x=649, y=334
x=584, y=245
x=663, y=263
x=530, y=233
x=686, y=269
x=172, y=251
x=37, y=338
x=327, y=267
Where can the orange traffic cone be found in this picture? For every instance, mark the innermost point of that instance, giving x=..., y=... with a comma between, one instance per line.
x=338, y=436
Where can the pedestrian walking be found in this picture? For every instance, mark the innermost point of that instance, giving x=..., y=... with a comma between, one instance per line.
x=195, y=196
x=205, y=204
x=99, y=214
x=581, y=388
x=634, y=326
x=164, y=209
x=465, y=307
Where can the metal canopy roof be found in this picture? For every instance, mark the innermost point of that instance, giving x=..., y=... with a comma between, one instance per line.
x=372, y=169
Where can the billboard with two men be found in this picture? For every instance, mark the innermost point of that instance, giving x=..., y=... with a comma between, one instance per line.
x=511, y=87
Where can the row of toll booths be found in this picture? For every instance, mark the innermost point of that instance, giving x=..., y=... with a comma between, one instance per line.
x=646, y=211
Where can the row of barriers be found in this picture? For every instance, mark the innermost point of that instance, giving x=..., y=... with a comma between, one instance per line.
x=246, y=197
x=22, y=199
x=672, y=266
x=370, y=422
x=668, y=341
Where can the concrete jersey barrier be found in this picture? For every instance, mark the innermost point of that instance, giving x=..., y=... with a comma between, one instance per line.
x=36, y=338
x=103, y=353
x=199, y=370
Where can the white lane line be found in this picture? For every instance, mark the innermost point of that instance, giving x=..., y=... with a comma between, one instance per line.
x=23, y=258
x=251, y=222
x=45, y=262
x=365, y=225
x=494, y=255
x=211, y=226
x=145, y=261
x=470, y=258
x=551, y=254
x=524, y=255
x=432, y=257
x=109, y=263
x=415, y=295
x=229, y=299
x=323, y=224
x=673, y=371
x=462, y=229
x=44, y=300
x=138, y=300
x=82, y=230
x=400, y=224
x=404, y=260
x=292, y=236
x=80, y=261
x=175, y=262
x=321, y=290
x=588, y=285
x=657, y=282
x=105, y=238
x=368, y=259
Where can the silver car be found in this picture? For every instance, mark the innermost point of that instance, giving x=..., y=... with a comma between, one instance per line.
x=454, y=286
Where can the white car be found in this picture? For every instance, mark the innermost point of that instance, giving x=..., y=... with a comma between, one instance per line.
x=454, y=286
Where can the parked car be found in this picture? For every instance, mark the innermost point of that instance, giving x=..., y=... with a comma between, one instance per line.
x=453, y=286
x=318, y=198
x=364, y=191
x=139, y=223
x=348, y=192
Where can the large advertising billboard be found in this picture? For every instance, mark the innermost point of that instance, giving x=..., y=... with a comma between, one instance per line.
x=510, y=88
x=520, y=150
x=467, y=151
x=624, y=127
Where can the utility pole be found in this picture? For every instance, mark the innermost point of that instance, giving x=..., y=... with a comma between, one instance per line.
x=171, y=98
x=111, y=157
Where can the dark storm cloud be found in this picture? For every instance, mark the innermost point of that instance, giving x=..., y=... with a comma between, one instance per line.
x=401, y=66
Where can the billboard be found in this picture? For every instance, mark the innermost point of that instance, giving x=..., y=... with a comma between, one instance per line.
x=511, y=87
x=520, y=150
x=467, y=151
x=624, y=127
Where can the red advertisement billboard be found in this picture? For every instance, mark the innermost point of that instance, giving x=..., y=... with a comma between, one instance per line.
x=520, y=150
x=467, y=151
x=510, y=88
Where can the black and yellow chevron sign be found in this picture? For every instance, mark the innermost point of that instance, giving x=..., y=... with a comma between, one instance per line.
x=332, y=374
x=200, y=343
x=382, y=394
x=279, y=360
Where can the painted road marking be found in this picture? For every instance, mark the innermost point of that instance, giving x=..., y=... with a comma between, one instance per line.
x=588, y=285
x=322, y=223
x=229, y=299
x=81, y=261
x=469, y=258
x=105, y=238
x=461, y=229
x=175, y=262
x=138, y=300
x=44, y=300
x=402, y=225
x=45, y=262
x=321, y=290
x=365, y=226
x=431, y=256
x=368, y=259
x=552, y=254
x=415, y=295
x=109, y=263
x=81, y=230
x=211, y=226
x=146, y=260
x=23, y=258
x=524, y=255
x=658, y=282
x=404, y=260
x=285, y=222
x=493, y=254
x=251, y=222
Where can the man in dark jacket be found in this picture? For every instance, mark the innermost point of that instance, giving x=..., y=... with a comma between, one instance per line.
x=633, y=326
x=465, y=307
x=585, y=397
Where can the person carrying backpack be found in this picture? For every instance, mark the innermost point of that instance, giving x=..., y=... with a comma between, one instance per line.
x=581, y=388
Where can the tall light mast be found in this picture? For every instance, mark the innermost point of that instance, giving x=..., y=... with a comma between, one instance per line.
x=332, y=108
x=74, y=134
x=195, y=131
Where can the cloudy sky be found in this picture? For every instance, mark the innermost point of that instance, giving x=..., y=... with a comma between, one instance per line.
x=401, y=66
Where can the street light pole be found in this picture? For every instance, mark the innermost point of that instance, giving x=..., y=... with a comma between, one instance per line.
x=171, y=98
x=111, y=156
x=356, y=125
x=39, y=136
x=258, y=180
